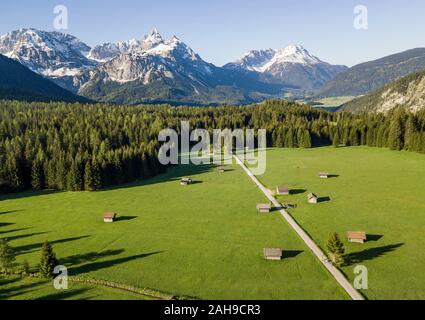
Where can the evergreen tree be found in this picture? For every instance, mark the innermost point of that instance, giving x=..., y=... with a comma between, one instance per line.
x=335, y=249
x=7, y=256
x=26, y=269
x=396, y=134
x=336, y=141
x=48, y=260
x=88, y=177
x=37, y=175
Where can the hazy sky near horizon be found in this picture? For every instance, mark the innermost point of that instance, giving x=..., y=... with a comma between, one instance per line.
x=222, y=30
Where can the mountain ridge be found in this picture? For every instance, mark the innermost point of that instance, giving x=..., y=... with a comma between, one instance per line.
x=17, y=82
x=369, y=76
x=292, y=66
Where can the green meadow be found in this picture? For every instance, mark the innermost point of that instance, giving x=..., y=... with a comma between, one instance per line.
x=202, y=241
x=378, y=191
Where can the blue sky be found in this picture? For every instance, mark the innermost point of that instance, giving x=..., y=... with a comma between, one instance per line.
x=222, y=30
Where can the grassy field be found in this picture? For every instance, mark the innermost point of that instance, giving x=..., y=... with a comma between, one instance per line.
x=203, y=241
x=378, y=191
x=15, y=288
x=332, y=103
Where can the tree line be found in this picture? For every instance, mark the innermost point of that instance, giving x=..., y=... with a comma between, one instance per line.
x=76, y=147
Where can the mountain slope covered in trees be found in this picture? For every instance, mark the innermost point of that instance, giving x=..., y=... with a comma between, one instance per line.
x=19, y=83
x=369, y=76
x=407, y=92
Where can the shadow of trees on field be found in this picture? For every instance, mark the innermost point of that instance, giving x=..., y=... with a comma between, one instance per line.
x=11, y=238
x=12, y=211
x=26, y=194
x=14, y=230
x=16, y=290
x=95, y=266
x=372, y=253
x=64, y=294
x=88, y=257
x=5, y=224
x=173, y=174
x=37, y=246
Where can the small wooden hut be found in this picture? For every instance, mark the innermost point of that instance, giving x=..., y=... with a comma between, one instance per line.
x=356, y=236
x=324, y=175
x=273, y=253
x=109, y=217
x=282, y=190
x=186, y=181
x=264, y=208
x=312, y=198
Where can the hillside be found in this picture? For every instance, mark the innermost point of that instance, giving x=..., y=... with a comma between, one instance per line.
x=366, y=77
x=408, y=92
x=19, y=83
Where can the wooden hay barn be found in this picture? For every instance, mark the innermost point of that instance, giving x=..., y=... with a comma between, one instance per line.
x=282, y=191
x=356, y=236
x=312, y=198
x=324, y=175
x=220, y=169
x=109, y=217
x=186, y=181
x=264, y=208
x=273, y=254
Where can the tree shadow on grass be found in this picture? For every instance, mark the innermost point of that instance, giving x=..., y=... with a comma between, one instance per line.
x=89, y=257
x=291, y=253
x=62, y=295
x=14, y=230
x=5, y=224
x=12, y=211
x=173, y=174
x=370, y=254
x=90, y=267
x=37, y=246
x=11, y=238
x=17, y=290
x=26, y=194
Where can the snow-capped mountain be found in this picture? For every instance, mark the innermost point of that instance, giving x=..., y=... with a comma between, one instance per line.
x=108, y=51
x=167, y=70
x=158, y=69
x=292, y=66
x=51, y=54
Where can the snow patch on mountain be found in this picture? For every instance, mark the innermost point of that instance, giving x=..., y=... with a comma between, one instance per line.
x=51, y=54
